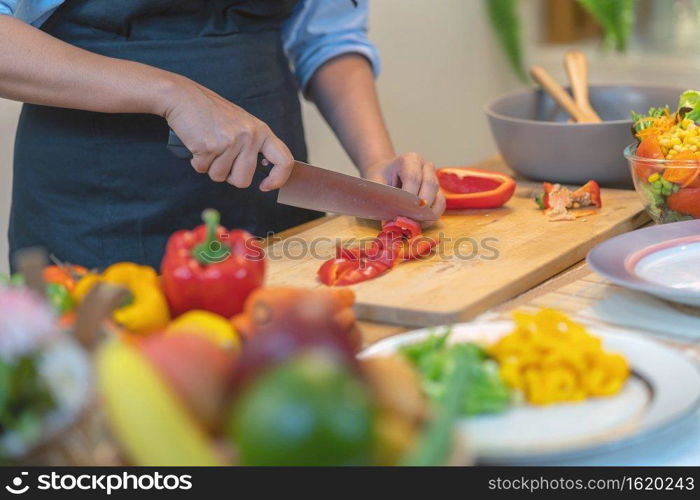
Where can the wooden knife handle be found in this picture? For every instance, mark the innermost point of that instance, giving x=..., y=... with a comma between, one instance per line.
x=179, y=150
x=557, y=92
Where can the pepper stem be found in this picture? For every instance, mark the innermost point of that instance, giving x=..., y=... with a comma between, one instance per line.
x=211, y=219
x=211, y=251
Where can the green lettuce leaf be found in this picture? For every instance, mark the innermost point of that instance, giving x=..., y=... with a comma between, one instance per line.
x=689, y=105
x=435, y=360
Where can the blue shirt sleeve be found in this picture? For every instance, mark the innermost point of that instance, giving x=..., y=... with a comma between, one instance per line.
x=33, y=12
x=8, y=7
x=320, y=30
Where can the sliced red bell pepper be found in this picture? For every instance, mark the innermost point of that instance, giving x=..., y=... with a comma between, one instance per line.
x=418, y=246
x=403, y=225
x=591, y=188
x=211, y=268
x=474, y=188
x=548, y=189
x=399, y=240
x=342, y=272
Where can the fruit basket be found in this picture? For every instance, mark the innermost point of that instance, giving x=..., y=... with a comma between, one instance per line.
x=169, y=369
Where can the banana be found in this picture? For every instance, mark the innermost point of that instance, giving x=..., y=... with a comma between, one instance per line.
x=151, y=424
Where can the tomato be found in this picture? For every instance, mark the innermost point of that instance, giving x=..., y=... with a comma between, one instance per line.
x=473, y=188
x=686, y=201
x=648, y=148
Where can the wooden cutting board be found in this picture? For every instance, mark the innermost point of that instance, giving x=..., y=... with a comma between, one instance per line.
x=485, y=258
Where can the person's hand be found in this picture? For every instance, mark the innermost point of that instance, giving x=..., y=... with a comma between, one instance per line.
x=411, y=173
x=225, y=139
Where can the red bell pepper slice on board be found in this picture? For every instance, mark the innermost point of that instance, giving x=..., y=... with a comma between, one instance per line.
x=211, y=268
x=474, y=188
x=591, y=189
x=403, y=226
x=342, y=272
x=548, y=189
x=399, y=240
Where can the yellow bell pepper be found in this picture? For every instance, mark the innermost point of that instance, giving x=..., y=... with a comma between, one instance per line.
x=207, y=324
x=83, y=286
x=146, y=309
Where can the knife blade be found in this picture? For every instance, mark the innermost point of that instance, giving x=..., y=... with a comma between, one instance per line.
x=317, y=188
x=324, y=190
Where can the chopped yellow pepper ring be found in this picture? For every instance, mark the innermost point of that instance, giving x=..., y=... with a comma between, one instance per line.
x=553, y=359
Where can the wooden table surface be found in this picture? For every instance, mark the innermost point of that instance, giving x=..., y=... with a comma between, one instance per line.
x=572, y=291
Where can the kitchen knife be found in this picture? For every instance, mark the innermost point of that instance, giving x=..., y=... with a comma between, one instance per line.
x=316, y=188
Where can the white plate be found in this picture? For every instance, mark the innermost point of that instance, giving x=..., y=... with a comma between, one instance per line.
x=664, y=388
x=673, y=267
x=659, y=260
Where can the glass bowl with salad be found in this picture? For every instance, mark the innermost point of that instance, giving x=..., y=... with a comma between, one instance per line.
x=665, y=160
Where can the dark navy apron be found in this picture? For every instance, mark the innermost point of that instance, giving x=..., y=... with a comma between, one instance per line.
x=97, y=188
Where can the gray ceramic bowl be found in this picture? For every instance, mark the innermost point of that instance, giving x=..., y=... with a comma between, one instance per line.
x=535, y=139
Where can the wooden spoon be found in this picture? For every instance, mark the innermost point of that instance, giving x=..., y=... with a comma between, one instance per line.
x=557, y=92
x=576, y=65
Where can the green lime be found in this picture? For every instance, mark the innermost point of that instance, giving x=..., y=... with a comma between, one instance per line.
x=310, y=410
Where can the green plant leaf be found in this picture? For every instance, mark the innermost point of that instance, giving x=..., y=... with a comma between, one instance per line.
x=505, y=21
x=615, y=17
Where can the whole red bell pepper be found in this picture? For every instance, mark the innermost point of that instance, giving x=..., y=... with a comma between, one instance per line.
x=211, y=268
x=474, y=188
x=399, y=240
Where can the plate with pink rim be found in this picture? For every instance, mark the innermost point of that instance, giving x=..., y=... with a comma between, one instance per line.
x=662, y=260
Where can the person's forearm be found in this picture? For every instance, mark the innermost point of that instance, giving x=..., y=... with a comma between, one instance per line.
x=40, y=69
x=223, y=138
x=344, y=91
